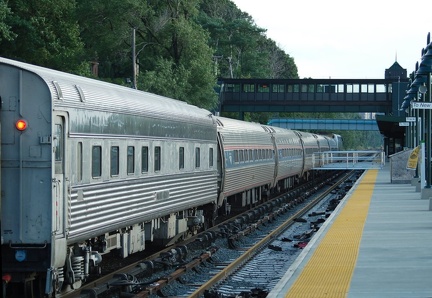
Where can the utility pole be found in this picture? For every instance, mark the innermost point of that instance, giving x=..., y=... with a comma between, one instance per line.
x=134, y=74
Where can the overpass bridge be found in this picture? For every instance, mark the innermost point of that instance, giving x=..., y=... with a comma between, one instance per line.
x=326, y=124
x=312, y=95
x=383, y=96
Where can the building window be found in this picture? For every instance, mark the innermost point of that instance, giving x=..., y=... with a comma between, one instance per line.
x=130, y=159
x=144, y=159
x=248, y=88
x=181, y=158
x=96, y=161
x=114, y=169
x=157, y=158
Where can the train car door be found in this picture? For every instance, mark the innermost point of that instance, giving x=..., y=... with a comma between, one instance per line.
x=59, y=190
x=221, y=168
x=59, y=186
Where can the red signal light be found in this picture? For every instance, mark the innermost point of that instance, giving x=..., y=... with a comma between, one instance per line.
x=6, y=278
x=21, y=125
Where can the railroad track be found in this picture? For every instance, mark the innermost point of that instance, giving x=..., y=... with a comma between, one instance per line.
x=243, y=275
x=205, y=261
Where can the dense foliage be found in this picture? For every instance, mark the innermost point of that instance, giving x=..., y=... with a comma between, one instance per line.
x=181, y=47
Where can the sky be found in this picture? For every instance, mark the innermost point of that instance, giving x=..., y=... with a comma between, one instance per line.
x=342, y=39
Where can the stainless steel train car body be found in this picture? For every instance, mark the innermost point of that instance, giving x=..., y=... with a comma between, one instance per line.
x=310, y=146
x=101, y=163
x=336, y=142
x=78, y=171
x=324, y=146
x=289, y=153
x=248, y=159
x=323, y=143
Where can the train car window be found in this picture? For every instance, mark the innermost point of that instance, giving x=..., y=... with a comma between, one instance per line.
x=58, y=142
x=255, y=154
x=114, y=159
x=245, y=153
x=250, y=154
x=181, y=158
x=130, y=159
x=236, y=156
x=210, y=157
x=96, y=161
x=144, y=159
x=241, y=158
x=197, y=157
x=157, y=158
x=79, y=161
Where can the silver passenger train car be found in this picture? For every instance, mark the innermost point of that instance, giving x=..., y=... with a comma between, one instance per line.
x=247, y=160
x=96, y=167
x=89, y=167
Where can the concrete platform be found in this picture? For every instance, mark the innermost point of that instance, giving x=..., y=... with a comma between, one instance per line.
x=394, y=255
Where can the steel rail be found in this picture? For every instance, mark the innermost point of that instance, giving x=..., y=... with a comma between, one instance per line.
x=248, y=254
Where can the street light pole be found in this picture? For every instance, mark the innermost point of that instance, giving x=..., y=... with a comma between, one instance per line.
x=425, y=70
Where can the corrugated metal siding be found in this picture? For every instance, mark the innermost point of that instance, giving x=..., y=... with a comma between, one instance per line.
x=241, y=179
x=289, y=168
x=237, y=134
x=323, y=143
x=107, y=206
x=287, y=139
x=310, y=144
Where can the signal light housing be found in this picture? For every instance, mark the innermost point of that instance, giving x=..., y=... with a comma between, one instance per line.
x=21, y=125
x=6, y=278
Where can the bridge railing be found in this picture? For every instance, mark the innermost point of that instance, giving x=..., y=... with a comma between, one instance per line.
x=331, y=160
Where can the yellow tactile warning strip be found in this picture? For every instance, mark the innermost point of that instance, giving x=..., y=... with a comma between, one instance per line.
x=328, y=272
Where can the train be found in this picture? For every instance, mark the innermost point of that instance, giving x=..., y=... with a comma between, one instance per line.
x=89, y=167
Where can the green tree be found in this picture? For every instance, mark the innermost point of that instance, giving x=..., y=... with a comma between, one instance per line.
x=179, y=49
x=172, y=53
x=45, y=33
x=106, y=30
x=5, y=29
x=242, y=49
x=235, y=38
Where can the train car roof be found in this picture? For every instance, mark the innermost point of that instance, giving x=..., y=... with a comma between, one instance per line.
x=238, y=125
x=72, y=91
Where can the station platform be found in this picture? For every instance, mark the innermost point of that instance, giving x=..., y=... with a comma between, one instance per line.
x=377, y=243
